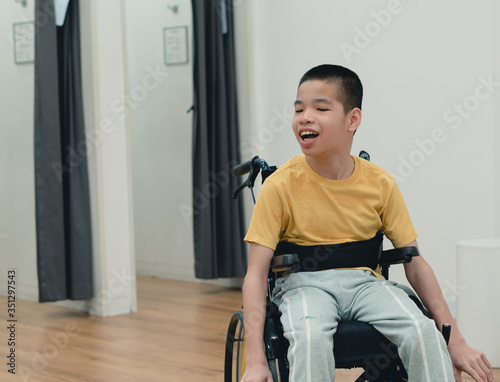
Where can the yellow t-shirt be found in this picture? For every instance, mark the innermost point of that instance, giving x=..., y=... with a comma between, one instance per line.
x=297, y=205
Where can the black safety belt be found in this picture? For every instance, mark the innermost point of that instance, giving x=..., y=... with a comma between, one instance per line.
x=355, y=254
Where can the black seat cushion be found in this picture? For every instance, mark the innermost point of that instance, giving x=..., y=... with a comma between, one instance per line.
x=357, y=343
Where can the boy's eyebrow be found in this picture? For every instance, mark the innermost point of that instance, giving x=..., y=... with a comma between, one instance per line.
x=315, y=100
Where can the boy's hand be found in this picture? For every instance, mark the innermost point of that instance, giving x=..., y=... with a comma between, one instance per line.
x=258, y=373
x=471, y=361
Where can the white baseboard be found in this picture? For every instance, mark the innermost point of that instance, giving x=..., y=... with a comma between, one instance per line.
x=24, y=291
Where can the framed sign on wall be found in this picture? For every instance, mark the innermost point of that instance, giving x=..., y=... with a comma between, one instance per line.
x=175, y=45
x=24, y=42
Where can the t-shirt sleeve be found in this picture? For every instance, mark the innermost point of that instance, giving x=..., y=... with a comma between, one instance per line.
x=396, y=221
x=267, y=223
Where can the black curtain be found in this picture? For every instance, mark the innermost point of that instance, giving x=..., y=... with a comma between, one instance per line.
x=218, y=224
x=64, y=241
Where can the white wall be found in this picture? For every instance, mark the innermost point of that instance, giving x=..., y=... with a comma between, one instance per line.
x=416, y=61
x=104, y=78
x=17, y=196
x=495, y=16
x=160, y=140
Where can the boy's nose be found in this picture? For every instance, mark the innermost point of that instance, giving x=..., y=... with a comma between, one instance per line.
x=306, y=118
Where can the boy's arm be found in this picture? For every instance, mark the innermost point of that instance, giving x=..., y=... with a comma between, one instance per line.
x=464, y=358
x=254, y=313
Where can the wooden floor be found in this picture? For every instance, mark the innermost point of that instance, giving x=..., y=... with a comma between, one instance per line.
x=177, y=335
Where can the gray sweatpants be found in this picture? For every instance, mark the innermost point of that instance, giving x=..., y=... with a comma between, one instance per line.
x=312, y=303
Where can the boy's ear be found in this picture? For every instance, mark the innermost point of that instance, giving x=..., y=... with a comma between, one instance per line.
x=354, y=119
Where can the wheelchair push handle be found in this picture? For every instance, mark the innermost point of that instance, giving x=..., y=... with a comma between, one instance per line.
x=244, y=168
x=251, y=167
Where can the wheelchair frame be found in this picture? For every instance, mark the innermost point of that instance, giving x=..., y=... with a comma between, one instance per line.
x=381, y=363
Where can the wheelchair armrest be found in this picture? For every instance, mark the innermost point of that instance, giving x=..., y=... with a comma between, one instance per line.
x=398, y=255
x=285, y=262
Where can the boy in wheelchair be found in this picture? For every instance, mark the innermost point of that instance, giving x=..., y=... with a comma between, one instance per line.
x=327, y=197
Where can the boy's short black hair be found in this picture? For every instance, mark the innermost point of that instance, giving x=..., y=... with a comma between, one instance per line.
x=349, y=87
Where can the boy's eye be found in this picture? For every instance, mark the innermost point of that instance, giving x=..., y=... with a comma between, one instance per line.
x=298, y=111
x=319, y=109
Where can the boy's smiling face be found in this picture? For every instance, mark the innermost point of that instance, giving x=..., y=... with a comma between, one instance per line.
x=320, y=125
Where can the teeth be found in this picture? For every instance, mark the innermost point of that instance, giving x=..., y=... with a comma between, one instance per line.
x=307, y=132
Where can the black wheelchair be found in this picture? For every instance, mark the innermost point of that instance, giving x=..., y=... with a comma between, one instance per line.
x=357, y=344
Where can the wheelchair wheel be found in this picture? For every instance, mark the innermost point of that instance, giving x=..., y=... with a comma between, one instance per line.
x=235, y=360
x=234, y=365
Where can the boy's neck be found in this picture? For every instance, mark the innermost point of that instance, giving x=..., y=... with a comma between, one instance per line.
x=334, y=167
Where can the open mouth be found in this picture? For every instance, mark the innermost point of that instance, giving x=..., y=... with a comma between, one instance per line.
x=308, y=135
